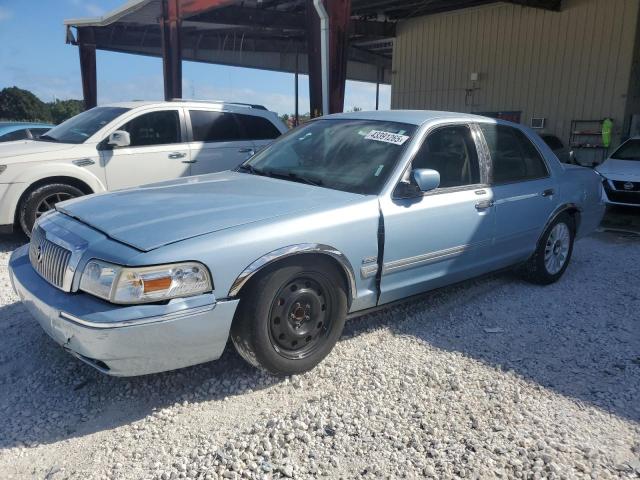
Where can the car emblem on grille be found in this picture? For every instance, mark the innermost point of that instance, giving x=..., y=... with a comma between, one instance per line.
x=628, y=186
x=39, y=254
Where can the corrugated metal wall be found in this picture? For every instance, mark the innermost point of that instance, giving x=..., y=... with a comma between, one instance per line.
x=573, y=64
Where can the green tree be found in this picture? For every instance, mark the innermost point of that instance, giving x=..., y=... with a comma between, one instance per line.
x=61, y=110
x=18, y=104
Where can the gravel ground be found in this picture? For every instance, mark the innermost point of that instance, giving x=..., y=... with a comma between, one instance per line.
x=493, y=378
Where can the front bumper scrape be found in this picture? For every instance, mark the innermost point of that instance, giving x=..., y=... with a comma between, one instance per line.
x=125, y=340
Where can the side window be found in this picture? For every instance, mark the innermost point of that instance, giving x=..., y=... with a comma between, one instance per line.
x=513, y=156
x=36, y=132
x=15, y=135
x=211, y=126
x=154, y=128
x=258, y=128
x=452, y=152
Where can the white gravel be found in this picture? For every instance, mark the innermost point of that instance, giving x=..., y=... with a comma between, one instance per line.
x=493, y=378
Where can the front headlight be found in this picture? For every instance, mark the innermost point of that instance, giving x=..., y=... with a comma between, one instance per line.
x=125, y=285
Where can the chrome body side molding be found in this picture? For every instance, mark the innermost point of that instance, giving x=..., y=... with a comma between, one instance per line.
x=431, y=257
x=289, y=251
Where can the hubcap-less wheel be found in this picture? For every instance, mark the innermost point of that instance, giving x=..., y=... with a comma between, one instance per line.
x=557, y=248
x=300, y=317
x=49, y=202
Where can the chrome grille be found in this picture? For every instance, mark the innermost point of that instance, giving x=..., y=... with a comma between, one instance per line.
x=48, y=259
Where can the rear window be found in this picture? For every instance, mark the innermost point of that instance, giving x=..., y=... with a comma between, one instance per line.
x=514, y=158
x=211, y=126
x=630, y=150
x=21, y=134
x=552, y=142
x=258, y=128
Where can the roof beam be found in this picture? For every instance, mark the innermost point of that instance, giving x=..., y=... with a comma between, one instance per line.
x=555, y=5
x=254, y=17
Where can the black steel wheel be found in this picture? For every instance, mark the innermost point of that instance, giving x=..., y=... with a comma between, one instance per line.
x=291, y=315
x=300, y=317
x=41, y=200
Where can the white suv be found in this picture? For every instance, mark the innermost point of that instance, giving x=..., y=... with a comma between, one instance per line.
x=123, y=145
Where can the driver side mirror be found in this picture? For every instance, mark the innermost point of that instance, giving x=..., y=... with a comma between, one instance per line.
x=119, y=138
x=426, y=179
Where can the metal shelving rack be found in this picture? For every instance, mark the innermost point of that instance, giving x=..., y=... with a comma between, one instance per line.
x=587, y=135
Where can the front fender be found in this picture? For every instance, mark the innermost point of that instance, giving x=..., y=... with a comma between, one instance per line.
x=22, y=181
x=292, y=250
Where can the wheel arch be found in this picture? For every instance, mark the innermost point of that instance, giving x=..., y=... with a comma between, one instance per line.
x=340, y=261
x=572, y=209
x=73, y=181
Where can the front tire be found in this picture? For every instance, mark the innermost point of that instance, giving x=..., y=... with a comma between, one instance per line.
x=553, y=254
x=41, y=200
x=291, y=316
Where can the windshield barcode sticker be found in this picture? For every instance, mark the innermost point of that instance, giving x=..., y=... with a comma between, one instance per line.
x=386, y=137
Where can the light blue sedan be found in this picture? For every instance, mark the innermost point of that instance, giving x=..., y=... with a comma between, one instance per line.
x=345, y=214
x=12, y=131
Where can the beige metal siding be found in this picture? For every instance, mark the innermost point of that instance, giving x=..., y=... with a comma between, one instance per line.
x=573, y=64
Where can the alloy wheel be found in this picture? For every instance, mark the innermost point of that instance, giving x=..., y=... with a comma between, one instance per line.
x=556, y=250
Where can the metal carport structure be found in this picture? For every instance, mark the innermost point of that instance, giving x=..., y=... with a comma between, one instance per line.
x=279, y=35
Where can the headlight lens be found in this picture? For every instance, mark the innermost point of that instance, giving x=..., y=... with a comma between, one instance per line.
x=126, y=285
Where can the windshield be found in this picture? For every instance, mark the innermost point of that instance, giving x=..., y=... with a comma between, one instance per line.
x=351, y=155
x=77, y=129
x=629, y=150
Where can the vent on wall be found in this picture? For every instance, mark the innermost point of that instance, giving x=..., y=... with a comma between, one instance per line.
x=538, y=123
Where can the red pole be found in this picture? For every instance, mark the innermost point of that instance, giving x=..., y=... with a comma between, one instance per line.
x=339, y=16
x=87, y=50
x=171, y=49
x=314, y=60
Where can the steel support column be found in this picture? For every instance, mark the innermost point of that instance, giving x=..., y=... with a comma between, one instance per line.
x=315, y=62
x=171, y=49
x=87, y=50
x=339, y=18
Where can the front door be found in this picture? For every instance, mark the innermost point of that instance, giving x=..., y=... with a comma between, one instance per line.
x=523, y=192
x=156, y=153
x=444, y=235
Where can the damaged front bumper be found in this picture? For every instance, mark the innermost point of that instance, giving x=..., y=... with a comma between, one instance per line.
x=125, y=340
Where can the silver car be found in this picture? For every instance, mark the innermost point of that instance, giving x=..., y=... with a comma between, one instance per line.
x=345, y=214
x=620, y=174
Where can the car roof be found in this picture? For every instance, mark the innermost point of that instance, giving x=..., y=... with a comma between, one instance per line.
x=414, y=117
x=187, y=103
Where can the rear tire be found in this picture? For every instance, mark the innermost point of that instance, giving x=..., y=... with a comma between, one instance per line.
x=291, y=316
x=41, y=200
x=553, y=254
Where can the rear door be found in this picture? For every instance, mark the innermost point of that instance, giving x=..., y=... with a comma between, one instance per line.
x=523, y=191
x=218, y=141
x=156, y=153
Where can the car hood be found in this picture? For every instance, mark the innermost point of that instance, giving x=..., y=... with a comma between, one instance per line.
x=620, y=169
x=21, y=148
x=149, y=217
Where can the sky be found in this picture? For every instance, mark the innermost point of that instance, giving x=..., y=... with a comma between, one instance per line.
x=34, y=56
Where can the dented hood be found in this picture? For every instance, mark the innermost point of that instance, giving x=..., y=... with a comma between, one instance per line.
x=152, y=216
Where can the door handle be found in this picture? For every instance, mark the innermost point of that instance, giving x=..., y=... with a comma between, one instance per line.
x=176, y=155
x=548, y=192
x=189, y=161
x=250, y=151
x=484, y=204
